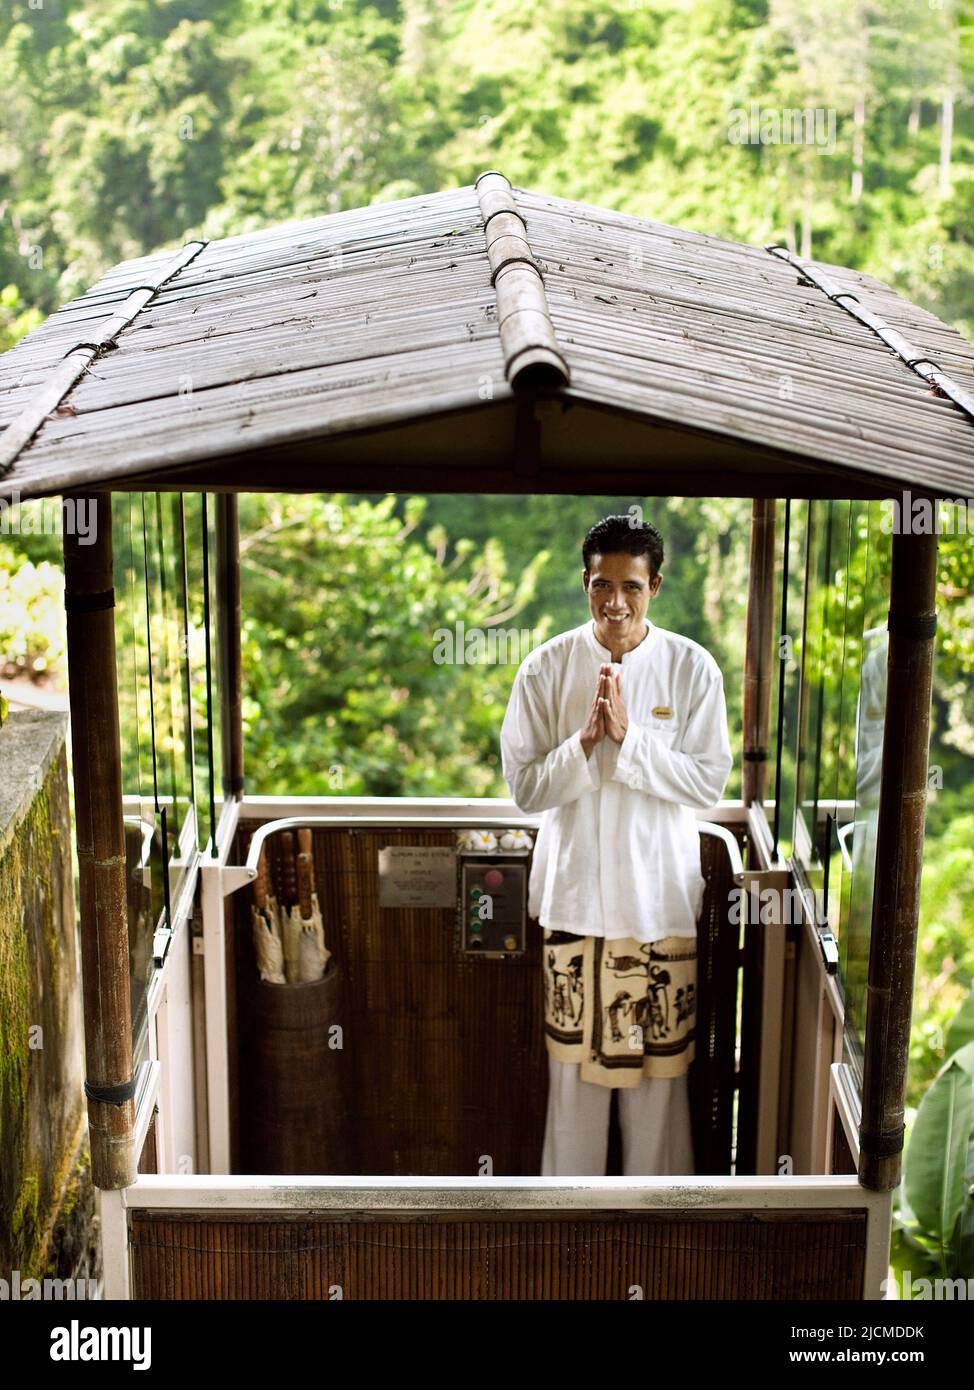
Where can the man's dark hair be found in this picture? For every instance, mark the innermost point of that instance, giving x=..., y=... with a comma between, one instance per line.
x=624, y=535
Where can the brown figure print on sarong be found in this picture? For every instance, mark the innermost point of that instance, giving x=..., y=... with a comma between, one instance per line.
x=686, y=1003
x=653, y=1011
x=564, y=988
x=656, y=1009
x=569, y=992
x=621, y=1008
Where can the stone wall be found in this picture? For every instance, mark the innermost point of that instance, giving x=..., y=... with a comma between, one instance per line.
x=46, y=1197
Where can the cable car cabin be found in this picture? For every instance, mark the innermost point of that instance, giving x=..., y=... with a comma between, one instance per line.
x=376, y=1129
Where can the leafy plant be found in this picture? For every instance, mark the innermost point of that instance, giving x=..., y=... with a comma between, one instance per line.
x=933, y=1215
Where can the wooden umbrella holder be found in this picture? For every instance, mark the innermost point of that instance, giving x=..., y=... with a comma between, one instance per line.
x=298, y=1119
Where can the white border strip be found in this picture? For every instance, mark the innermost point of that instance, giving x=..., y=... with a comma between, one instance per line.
x=845, y=1106
x=207, y=1192
x=434, y=808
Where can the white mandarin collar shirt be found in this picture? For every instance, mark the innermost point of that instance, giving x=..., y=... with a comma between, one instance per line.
x=618, y=851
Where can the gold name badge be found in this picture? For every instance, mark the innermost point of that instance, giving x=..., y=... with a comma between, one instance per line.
x=662, y=712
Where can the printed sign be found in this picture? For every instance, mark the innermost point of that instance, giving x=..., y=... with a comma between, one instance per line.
x=413, y=877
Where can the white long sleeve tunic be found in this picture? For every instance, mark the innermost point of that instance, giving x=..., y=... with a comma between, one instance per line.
x=618, y=851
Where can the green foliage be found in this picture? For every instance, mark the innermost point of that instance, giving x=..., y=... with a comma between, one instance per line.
x=933, y=1231
x=32, y=635
x=16, y=318
x=344, y=693
x=945, y=949
x=129, y=126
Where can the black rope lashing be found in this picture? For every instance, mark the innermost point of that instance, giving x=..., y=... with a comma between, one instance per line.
x=79, y=347
x=112, y=1095
x=497, y=212
x=882, y=1145
x=916, y=628
x=90, y=603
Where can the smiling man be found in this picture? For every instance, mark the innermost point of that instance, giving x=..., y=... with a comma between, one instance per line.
x=617, y=732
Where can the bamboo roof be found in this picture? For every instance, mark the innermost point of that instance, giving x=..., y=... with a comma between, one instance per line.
x=488, y=338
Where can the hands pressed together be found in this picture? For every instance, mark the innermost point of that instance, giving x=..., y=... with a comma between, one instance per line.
x=607, y=715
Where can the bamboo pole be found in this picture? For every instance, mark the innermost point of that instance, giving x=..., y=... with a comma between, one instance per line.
x=899, y=857
x=228, y=630
x=532, y=356
x=758, y=650
x=89, y=600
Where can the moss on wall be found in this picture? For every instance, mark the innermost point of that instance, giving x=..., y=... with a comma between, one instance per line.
x=19, y=1185
x=42, y=1116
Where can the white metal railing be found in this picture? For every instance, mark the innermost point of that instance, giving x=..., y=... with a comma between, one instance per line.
x=460, y=813
x=341, y=1192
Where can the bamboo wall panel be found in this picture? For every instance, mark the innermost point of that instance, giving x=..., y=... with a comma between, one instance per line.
x=500, y=1255
x=443, y=1057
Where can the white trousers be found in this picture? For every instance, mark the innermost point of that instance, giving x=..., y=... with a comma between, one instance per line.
x=654, y=1118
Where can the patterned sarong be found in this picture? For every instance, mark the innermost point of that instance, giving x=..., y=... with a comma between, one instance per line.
x=623, y=1009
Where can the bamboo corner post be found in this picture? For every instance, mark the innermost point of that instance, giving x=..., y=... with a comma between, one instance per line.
x=89, y=600
x=899, y=857
x=758, y=650
x=228, y=636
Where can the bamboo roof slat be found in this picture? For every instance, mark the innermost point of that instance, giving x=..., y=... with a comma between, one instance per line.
x=389, y=315
x=78, y=358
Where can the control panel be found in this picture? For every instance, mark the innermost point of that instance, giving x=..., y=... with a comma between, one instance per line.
x=492, y=906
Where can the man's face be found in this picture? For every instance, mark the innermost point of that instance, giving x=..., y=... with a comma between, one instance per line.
x=619, y=589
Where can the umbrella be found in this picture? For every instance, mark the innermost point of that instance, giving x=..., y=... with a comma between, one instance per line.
x=289, y=937
x=312, y=952
x=267, y=936
x=290, y=924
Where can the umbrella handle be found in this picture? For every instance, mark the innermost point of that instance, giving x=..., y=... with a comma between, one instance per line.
x=305, y=883
x=260, y=882
x=289, y=880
